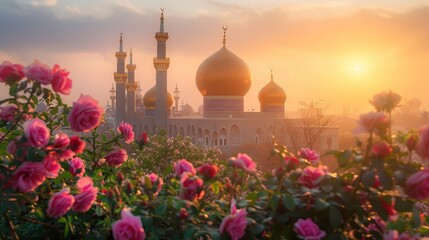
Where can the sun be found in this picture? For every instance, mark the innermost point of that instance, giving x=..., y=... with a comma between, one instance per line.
x=357, y=68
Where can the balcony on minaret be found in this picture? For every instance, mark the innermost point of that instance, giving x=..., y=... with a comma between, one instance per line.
x=161, y=64
x=131, y=67
x=120, y=77
x=131, y=86
x=161, y=36
x=121, y=55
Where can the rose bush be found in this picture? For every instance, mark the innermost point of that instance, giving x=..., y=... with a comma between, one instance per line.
x=61, y=177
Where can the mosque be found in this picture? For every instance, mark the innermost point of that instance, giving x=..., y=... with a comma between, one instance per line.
x=223, y=79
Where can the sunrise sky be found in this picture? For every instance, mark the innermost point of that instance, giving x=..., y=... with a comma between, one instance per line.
x=341, y=52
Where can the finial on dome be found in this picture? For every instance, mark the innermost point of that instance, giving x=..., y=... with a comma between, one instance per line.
x=120, y=42
x=161, y=28
x=224, y=34
x=272, y=78
x=131, y=56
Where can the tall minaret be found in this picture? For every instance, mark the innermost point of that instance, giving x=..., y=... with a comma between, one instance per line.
x=161, y=63
x=120, y=78
x=131, y=87
x=176, y=96
x=113, y=96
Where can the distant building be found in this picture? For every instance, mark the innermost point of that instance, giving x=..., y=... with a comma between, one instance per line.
x=223, y=79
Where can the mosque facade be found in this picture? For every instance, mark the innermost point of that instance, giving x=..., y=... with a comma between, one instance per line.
x=223, y=79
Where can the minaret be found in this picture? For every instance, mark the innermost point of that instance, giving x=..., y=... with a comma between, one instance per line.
x=176, y=95
x=161, y=64
x=113, y=96
x=131, y=86
x=120, y=78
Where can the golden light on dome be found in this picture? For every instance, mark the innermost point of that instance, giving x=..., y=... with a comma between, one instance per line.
x=272, y=94
x=149, y=99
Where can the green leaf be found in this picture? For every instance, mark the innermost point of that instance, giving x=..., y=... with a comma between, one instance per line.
x=335, y=217
x=416, y=217
x=216, y=187
x=320, y=204
x=257, y=229
x=368, y=178
x=161, y=209
x=289, y=202
x=385, y=180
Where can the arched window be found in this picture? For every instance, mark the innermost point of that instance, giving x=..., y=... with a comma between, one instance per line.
x=193, y=135
x=182, y=131
x=222, y=137
x=200, y=136
x=174, y=131
x=214, y=138
x=206, y=137
x=235, y=135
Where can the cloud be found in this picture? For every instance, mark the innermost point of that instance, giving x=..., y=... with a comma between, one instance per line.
x=74, y=10
x=44, y=3
x=127, y=5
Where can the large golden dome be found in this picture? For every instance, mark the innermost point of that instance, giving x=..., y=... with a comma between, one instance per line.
x=149, y=99
x=223, y=74
x=272, y=95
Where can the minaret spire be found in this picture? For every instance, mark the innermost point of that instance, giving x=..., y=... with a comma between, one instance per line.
x=224, y=34
x=120, y=42
x=272, y=78
x=131, y=56
x=161, y=27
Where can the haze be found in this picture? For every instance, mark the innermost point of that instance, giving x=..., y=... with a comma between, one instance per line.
x=341, y=52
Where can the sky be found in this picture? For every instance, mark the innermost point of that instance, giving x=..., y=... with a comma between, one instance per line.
x=340, y=52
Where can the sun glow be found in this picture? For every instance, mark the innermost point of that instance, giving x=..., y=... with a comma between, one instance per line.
x=357, y=68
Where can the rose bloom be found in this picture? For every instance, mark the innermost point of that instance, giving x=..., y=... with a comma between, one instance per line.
x=11, y=72
x=182, y=166
x=309, y=155
x=29, y=176
x=8, y=113
x=128, y=227
x=61, y=140
x=127, y=131
x=381, y=149
x=85, y=114
x=142, y=139
x=116, y=157
x=39, y=72
x=209, y=171
x=36, y=132
x=235, y=223
x=372, y=121
x=77, y=163
x=307, y=229
x=394, y=235
x=311, y=176
x=244, y=162
x=417, y=185
x=60, y=203
x=61, y=83
x=87, y=195
x=77, y=145
x=155, y=181
x=385, y=101
x=291, y=162
x=51, y=166
x=422, y=147
x=191, y=187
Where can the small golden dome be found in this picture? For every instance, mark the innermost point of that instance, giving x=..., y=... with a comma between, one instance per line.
x=223, y=74
x=149, y=99
x=272, y=95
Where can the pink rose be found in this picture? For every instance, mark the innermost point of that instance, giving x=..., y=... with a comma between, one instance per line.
x=128, y=227
x=116, y=157
x=127, y=131
x=61, y=83
x=235, y=223
x=36, y=132
x=291, y=162
x=307, y=229
x=372, y=121
x=61, y=141
x=76, y=164
x=29, y=176
x=191, y=187
x=417, y=185
x=8, y=113
x=244, y=162
x=381, y=149
x=60, y=203
x=142, y=139
x=311, y=176
x=155, y=183
x=422, y=147
x=182, y=166
x=87, y=195
x=394, y=235
x=11, y=72
x=385, y=101
x=39, y=72
x=207, y=170
x=309, y=155
x=52, y=167
x=85, y=114
x=77, y=145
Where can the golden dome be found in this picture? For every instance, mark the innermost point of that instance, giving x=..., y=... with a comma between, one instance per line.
x=272, y=95
x=223, y=74
x=149, y=99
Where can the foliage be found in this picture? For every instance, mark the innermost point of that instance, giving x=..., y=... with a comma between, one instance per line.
x=52, y=187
